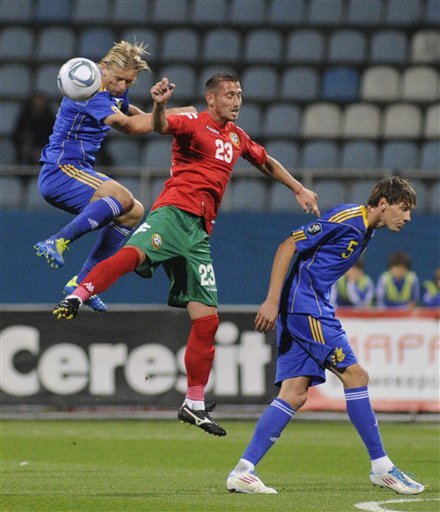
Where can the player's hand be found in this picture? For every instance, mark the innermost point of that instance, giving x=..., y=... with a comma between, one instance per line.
x=307, y=199
x=266, y=316
x=162, y=91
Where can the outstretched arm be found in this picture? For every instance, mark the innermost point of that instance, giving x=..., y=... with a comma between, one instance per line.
x=161, y=92
x=306, y=198
x=268, y=312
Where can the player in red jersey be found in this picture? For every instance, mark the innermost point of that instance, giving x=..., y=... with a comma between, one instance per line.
x=176, y=232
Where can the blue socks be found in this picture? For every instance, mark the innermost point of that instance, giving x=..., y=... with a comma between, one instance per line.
x=268, y=430
x=108, y=242
x=95, y=215
x=364, y=420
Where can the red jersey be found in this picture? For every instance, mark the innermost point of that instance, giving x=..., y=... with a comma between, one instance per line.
x=203, y=156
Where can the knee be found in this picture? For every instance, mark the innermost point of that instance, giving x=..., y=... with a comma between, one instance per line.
x=137, y=211
x=296, y=399
x=357, y=378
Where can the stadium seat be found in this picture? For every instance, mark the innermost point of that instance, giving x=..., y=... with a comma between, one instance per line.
x=250, y=119
x=432, y=15
x=320, y=155
x=305, y=46
x=432, y=122
x=403, y=13
x=83, y=12
x=285, y=152
x=7, y=151
x=206, y=73
x=422, y=195
x=281, y=199
x=299, y=84
x=249, y=194
x=321, y=120
x=347, y=46
x=361, y=120
x=221, y=45
x=248, y=12
x=134, y=11
x=397, y=155
x=17, y=11
x=55, y=43
x=124, y=153
x=213, y=12
x=340, y=84
x=46, y=80
x=179, y=45
x=53, y=12
x=156, y=153
x=430, y=158
x=9, y=112
x=94, y=43
x=10, y=192
x=285, y=13
x=170, y=12
x=145, y=35
x=360, y=155
x=420, y=83
x=388, y=46
x=185, y=79
x=260, y=83
x=263, y=46
x=425, y=47
x=16, y=43
x=281, y=120
x=330, y=193
x=380, y=83
x=360, y=191
x=323, y=12
x=361, y=12
x=15, y=81
x=402, y=121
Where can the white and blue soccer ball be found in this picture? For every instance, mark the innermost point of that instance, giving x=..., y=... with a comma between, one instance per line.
x=79, y=79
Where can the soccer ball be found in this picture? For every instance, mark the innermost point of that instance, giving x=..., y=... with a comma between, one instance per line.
x=79, y=79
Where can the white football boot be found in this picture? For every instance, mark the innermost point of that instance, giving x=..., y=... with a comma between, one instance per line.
x=247, y=483
x=397, y=481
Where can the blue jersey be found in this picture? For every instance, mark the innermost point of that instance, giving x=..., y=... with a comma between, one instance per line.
x=327, y=248
x=79, y=128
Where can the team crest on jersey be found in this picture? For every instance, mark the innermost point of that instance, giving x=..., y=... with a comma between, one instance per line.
x=156, y=241
x=338, y=356
x=314, y=229
x=235, y=139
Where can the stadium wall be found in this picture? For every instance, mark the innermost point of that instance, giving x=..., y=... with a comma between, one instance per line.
x=134, y=359
x=243, y=246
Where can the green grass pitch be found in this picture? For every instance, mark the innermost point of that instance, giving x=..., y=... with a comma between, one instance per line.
x=130, y=466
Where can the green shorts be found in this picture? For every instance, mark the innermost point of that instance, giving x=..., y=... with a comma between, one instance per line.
x=177, y=240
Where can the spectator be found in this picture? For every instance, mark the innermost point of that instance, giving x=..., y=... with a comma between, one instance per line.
x=354, y=288
x=33, y=128
x=431, y=291
x=399, y=286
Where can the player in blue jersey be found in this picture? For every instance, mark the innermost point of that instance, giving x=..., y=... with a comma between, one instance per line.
x=68, y=179
x=309, y=337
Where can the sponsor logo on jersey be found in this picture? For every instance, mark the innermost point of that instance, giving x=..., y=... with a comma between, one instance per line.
x=314, y=229
x=156, y=241
x=213, y=130
x=235, y=139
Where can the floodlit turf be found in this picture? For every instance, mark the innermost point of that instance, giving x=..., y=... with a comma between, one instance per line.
x=130, y=466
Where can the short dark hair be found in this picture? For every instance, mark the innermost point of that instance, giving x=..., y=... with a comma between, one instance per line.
x=394, y=190
x=399, y=259
x=224, y=76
